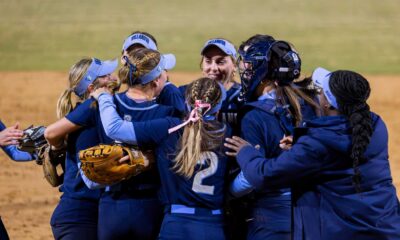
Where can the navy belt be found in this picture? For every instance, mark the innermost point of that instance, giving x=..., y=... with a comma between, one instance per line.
x=179, y=208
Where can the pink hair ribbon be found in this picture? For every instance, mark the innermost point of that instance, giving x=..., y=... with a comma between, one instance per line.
x=193, y=116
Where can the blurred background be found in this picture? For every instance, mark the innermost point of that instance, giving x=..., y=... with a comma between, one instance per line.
x=51, y=35
x=41, y=39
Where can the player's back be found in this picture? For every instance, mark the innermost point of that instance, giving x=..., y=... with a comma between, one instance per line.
x=131, y=110
x=205, y=189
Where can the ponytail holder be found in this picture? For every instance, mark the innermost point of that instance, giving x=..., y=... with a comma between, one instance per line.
x=132, y=69
x=193, y=116
x=198, y=104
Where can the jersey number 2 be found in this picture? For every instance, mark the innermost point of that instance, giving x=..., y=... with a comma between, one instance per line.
x=198, y=187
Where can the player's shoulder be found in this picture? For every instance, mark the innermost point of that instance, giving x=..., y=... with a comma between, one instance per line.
x=171, y=90
x=84, y=110
x=171, y=87
x=166, y=108
x=257, y=112
x=88, y=103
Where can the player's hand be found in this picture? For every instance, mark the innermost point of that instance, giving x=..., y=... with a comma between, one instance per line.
x=124, y=159
x=96, y=93
x=10, y=135
x=235, y=144
x=286, y=142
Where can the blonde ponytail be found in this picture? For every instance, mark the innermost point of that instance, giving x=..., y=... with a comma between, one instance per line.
x=201, y=136
x=76, y=73
x=64, y=104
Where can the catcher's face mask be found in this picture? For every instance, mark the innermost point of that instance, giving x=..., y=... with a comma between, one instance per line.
x=253, y=67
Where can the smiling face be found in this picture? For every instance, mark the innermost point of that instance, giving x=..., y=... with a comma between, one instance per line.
x=217, y=65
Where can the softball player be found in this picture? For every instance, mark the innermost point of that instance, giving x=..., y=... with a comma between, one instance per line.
x=76, y=215
x=170, y=95
x=338, y=170
x=273, y=107
x=191, y=162
x=131, y=209
x=218, y=62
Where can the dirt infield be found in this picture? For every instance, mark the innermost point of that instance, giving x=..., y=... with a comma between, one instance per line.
x=27, y=200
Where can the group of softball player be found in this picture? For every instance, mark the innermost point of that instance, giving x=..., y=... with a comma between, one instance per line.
x=248, y=151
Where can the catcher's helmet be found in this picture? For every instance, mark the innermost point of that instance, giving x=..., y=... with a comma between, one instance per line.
x=255, y=65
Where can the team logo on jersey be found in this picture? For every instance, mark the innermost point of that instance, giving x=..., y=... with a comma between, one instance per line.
x=128, y=118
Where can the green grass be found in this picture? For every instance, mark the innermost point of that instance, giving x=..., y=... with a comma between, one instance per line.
x=361, y=35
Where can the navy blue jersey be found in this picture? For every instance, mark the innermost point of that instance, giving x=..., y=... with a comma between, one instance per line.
x=182, y=90
x=261, y=126
x=91, y=134
x=319, y=169
x=230, y=106
x=131, y=110
x=265, y=123
x=171, y=96
x=205, y=188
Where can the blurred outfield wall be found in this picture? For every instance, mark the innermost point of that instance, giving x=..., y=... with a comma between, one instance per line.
x=362, y=35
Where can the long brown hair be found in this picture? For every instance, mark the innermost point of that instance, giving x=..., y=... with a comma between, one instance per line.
x=201, y=136
x=288, y=94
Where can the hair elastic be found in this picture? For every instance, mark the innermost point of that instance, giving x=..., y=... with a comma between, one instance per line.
x=194, y=115
x=132, y=69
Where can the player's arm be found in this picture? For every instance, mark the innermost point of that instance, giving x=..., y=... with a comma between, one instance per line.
x=116, y=128
x=10, y=135
x=81, y=116
x=17, y=155
x=8, y=139
x=253, y=132
x=250, y=129
x=240, y=186
x=304, y=158
x=56, y=133
x=89, y=183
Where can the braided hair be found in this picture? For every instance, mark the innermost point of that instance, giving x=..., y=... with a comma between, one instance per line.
x=200, y=136
x=138, y=63
x=352, y=91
